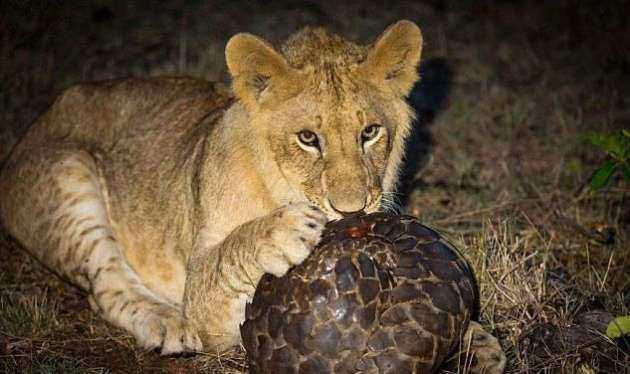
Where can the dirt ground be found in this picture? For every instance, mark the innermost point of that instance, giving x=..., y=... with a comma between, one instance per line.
x=498, y=160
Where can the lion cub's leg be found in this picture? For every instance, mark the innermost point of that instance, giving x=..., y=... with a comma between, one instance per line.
x=223, y=278
x=63, y=221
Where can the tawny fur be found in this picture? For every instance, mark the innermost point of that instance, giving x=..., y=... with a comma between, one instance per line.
x=168, y=198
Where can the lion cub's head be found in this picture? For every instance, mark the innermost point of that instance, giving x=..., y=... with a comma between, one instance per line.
x=333, y=113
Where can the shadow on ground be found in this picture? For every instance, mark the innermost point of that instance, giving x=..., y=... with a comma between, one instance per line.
x=429, y=97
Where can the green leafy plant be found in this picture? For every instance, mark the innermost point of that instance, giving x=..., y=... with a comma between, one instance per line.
x=618, y=327
x=617, y=148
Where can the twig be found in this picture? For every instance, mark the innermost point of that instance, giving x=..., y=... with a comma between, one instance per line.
x=457, y=217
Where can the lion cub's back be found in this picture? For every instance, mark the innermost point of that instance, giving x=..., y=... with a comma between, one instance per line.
x=98, y=115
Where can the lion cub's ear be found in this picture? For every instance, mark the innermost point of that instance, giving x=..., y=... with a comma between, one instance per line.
x=394, y=57
x=256, y=68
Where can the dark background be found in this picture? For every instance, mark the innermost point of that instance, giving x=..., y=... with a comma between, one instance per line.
x=509, y=91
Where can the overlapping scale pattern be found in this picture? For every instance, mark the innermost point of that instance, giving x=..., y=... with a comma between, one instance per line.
x=380, y=294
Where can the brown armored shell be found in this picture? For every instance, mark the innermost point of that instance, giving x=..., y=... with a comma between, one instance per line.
x=380, y=294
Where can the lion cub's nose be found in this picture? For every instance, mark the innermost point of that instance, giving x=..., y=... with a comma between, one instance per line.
x=349, y=207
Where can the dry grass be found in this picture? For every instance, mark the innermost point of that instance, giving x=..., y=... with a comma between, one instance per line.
x=508, y=93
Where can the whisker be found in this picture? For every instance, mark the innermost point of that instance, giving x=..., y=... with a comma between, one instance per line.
x=390, y=202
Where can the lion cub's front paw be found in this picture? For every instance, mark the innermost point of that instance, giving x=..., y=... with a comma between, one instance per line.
x=289, y=236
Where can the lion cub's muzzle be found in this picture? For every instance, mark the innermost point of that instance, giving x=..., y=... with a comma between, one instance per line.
x=347, y=189
x=348, y=203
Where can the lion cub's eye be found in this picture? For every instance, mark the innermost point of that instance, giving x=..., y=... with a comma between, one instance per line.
x=370, y=132
x=308, y=138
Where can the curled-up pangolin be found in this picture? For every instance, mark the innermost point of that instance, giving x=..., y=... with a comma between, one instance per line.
x=380, y=294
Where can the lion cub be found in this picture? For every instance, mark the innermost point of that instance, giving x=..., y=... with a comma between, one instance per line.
x=167, y=199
